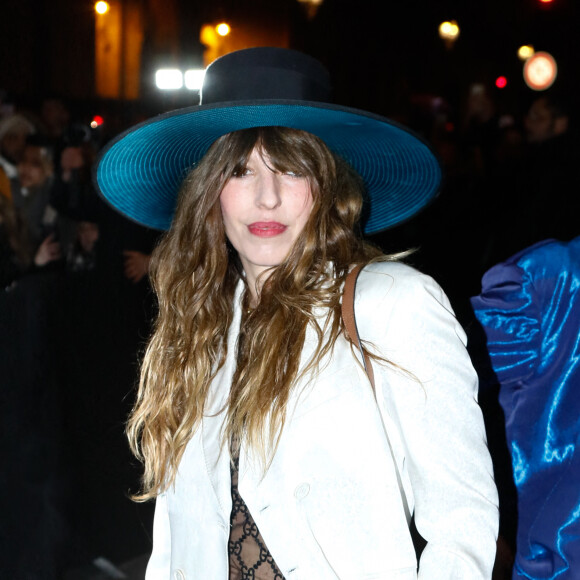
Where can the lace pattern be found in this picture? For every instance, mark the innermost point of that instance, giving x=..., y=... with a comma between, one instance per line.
x=249, y=556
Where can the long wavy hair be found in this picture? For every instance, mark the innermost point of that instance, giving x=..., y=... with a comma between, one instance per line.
x=195, y=273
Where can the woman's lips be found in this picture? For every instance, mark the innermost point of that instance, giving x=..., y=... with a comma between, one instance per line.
x=266, y=229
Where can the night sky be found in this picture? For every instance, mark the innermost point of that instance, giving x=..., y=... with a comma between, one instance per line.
x=375, y=50
x=379, y=51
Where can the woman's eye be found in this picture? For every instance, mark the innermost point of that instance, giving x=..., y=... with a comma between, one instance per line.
x=293, y=173
x=241, y=172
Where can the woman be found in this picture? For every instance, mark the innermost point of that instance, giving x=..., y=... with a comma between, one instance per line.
x=263, y=442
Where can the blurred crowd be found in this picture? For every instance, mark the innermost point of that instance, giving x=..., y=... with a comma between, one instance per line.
x=76, y=305
x=75, y=309
x=509, y=181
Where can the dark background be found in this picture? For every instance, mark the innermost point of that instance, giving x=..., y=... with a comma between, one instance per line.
x=385, y=57
x=373, y=49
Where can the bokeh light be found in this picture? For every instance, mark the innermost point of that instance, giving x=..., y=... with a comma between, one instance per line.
x=97, y=121
x=169, y=79
x=449, y=30
x=525, y=51
x=194, y=79
x=501, y=82
x=101, y=7
x=540, y=71
x=223, y=29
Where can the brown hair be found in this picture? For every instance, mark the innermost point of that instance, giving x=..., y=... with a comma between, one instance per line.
x=195, y=273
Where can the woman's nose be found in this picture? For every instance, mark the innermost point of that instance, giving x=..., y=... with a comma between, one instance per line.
x=268, y=193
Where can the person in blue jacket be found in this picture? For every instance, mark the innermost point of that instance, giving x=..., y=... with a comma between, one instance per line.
x=529, y=308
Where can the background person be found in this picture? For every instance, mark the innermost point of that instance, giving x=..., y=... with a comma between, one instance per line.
x=540, y=195
x=14, y=130
x=529, y=308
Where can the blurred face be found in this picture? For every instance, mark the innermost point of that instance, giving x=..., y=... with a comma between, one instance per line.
x=55, y=115
x=34, y=168
x=13, y=145
x=264, y=212
x=88, y=234
x=539, y=122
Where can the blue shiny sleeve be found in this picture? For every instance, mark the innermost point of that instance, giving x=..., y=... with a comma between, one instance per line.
x=529, y=308
x=507, y=308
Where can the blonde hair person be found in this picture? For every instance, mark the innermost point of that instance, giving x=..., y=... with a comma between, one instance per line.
x=267, y=451
x=14, y=130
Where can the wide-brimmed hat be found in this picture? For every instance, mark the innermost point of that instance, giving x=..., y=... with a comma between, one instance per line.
x=140, y=171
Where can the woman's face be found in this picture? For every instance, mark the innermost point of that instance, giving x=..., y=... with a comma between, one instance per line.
x=264, y=212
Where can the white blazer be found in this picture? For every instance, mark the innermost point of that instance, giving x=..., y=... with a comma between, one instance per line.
x=329, y=506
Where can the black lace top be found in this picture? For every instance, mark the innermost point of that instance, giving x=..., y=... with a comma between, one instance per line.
x=249, y=556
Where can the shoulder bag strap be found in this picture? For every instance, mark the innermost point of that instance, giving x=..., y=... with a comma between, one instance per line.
x=349, y=320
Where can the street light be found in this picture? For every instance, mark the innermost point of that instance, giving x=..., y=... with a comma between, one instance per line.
x=223, y=29
x=169, y=79
x=540, y=71
x=217, y=40
x=525, y=51
x=311, y=7
x=101, y=7
x=194, y=79
x=175, y=79
x=448, y=32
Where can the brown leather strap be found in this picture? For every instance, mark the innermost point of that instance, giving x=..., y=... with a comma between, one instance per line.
x=349, y=320
x=352, y=334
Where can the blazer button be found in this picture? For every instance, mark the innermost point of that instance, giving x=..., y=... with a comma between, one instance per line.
x=178, y=575
x=302, y=491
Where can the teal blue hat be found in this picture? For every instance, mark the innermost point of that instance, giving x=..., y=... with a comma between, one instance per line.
x=140, y=172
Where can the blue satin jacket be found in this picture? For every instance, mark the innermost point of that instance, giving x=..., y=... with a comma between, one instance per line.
x=529, y=308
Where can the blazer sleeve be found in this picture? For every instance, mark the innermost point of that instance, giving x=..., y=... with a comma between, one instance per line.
x=159, y=566
x=429, y=392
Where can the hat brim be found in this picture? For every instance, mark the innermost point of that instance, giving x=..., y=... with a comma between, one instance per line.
x=140, y=172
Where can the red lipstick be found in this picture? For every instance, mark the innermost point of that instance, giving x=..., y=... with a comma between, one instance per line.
x=267, y=229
